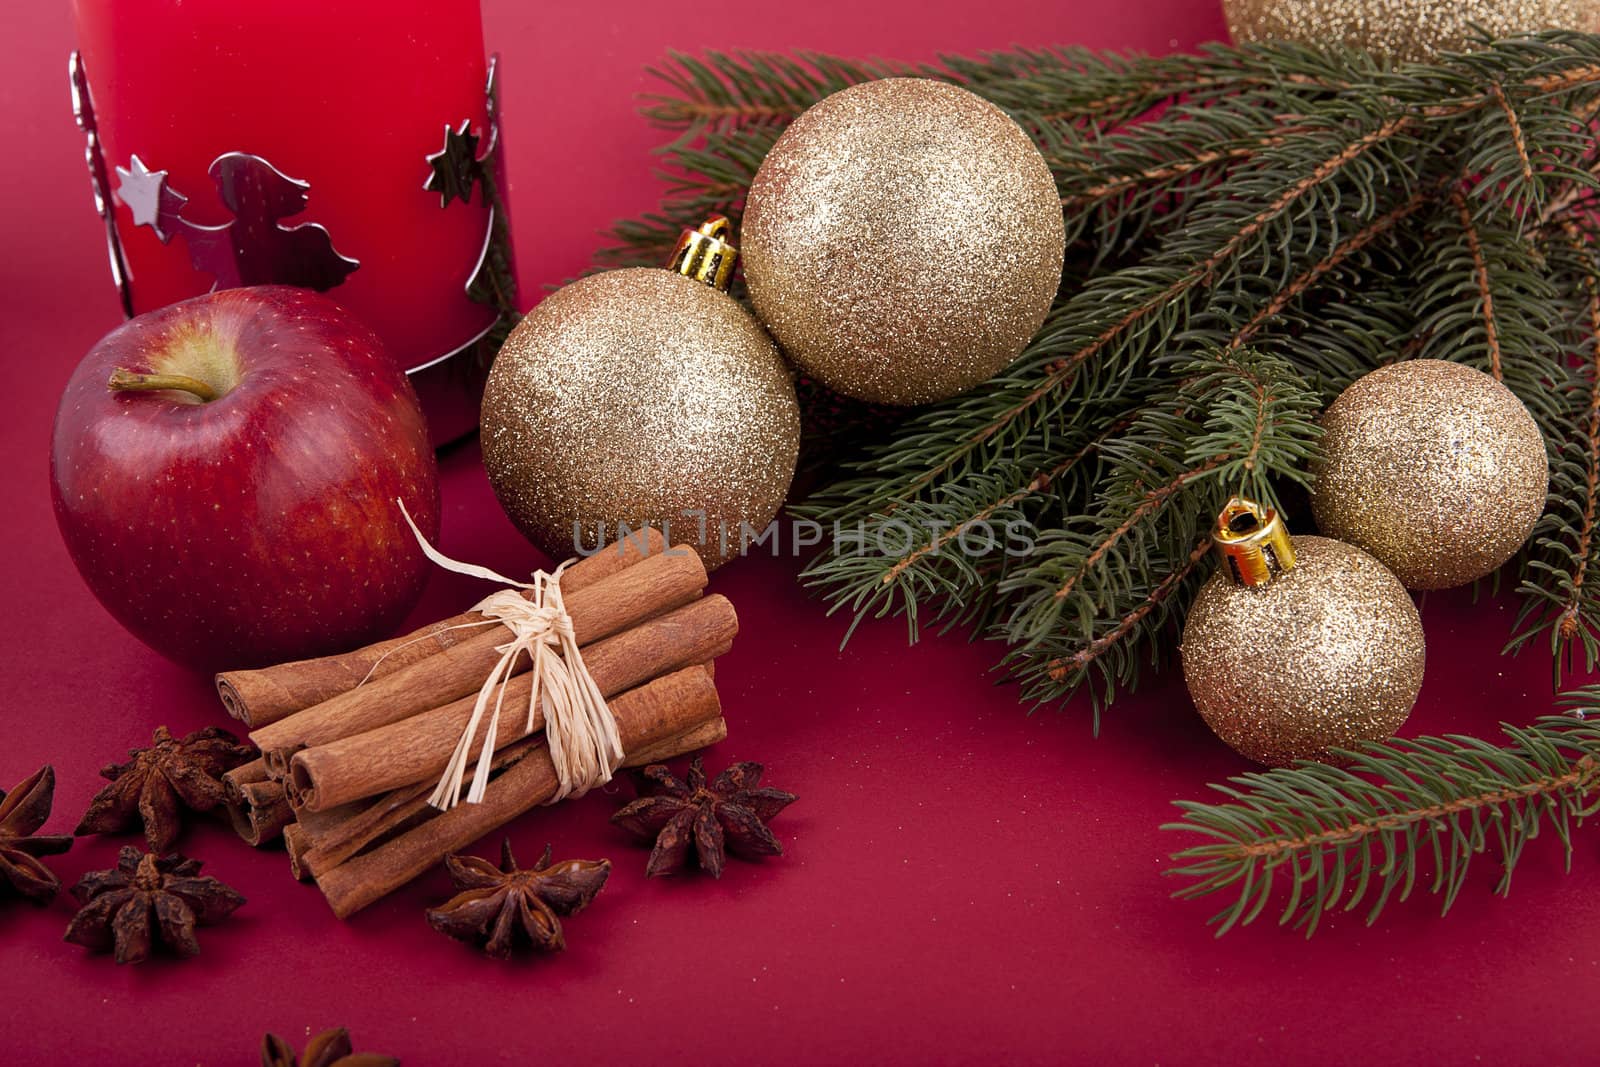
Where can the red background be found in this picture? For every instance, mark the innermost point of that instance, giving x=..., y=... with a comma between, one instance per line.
x=963, y=882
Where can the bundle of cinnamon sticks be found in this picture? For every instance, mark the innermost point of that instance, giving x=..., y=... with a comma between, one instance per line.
x=352, y=745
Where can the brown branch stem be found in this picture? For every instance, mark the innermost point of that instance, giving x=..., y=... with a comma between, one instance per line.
x=1346, y=248
x=1156, y=89
x=1583, y=776
x=1064, y=666
x=1480, y=266
x=1179, y=169
x=1038, y=484
x=1152, y=502
x=1517, y=137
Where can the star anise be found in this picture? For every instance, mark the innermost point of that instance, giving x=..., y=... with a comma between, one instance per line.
x=150, y=787
x=729, y=815
x=498, y=908
x=22, y=812
x=331, y=1048
x=146, y=898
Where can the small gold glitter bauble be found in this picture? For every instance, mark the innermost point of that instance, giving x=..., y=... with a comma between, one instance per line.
x=1401, y=30
x=903, y=241
x=1433, y=467
x=1323, y=654
x=642, y=397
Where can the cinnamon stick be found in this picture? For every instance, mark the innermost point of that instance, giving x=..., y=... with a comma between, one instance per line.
x=419, y=748
x=261, y=814
x=405, y=808
x=703, y=736
x=319, y=824
x=257, y=806
x=661, y=709
x=254, y=771
x=394, y=813
x=298, y=844
x=264, y=696
x=610, y=606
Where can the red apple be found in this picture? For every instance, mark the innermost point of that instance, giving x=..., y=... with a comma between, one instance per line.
x=225, y=473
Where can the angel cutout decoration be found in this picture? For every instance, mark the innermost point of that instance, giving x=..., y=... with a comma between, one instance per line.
x=254, y=247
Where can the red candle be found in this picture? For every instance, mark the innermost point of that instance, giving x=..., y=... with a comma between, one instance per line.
x=228, y=126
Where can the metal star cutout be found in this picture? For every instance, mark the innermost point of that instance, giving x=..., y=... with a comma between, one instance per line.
x=145, y=192
x=456, y=166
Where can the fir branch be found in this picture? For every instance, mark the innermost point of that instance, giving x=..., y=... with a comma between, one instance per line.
x=708, y=177
x=1571, y=616
x=1075, y=87
x=1270, y=202
x=726, y=91
x=1148, y=505
x=942, y=557
x=1339, y=838
x=1068, y=671
x=1232, y=425
x=1559, y=587
x=1164, y=173
x=1518, y=140
x=1009, y=493
x=1311, y=276
x=985, y=512
x=1559, y=211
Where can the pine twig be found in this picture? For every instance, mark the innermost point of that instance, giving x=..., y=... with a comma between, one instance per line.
x=1559, y=587
x=1063, y=668
x=1271, y=202
x=1337, y=838
x=1571, y=616
x=1351, y=246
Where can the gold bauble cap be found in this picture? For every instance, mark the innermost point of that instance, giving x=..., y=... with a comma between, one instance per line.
x=1253, y=541
x=706, y=254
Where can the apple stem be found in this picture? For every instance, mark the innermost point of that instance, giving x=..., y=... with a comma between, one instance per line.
x=127, y=381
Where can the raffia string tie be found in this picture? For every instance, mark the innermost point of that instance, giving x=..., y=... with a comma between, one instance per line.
x=579, y=728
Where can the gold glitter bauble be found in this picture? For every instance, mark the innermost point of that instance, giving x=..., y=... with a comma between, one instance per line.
x=1433, y=467
x=633, y=397
x=1328, y=654
x=1401, y=30
x=903, y=241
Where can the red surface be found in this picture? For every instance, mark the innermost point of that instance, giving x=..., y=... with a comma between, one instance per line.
x=964, y=883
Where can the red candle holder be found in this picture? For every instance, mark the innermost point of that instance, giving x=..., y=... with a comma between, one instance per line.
x=349, y=148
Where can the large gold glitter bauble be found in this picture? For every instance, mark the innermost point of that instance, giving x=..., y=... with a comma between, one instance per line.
x=639, y=397
x=903, y=241
x=1401, y=30
x=1326, y=654
x=1433, y=467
